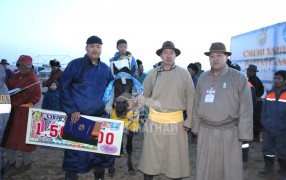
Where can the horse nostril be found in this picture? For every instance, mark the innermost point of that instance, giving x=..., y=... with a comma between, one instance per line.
x=121, y=109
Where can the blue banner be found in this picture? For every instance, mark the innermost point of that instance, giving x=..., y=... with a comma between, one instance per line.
x=265, y=48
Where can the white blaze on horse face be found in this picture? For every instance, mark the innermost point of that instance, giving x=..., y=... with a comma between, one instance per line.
x=123, y=80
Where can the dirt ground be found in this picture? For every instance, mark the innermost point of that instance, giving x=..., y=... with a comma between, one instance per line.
x=47, y=162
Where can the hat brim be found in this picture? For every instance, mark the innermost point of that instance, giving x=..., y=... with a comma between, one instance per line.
x=252, y=70
x=177, y=51
x=5, y=63
x=225, y=52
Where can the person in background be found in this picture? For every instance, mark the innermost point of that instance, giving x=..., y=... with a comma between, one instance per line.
x=122, y=53
x=55, y=75
x=82, y=87
x=9, y=72
x=273, y=120
x=141, y=73
x=14, y=139
x=51, y=100
x=200, y=71
x=259, y=90
x=193, y=70
x=5, y=109
x=157, y=64
x=245, y=145
x=168, y=90
x=222, y=118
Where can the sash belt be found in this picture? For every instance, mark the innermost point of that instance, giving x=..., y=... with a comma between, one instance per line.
x=165, y=117
x=224, y=125
x=28, y=105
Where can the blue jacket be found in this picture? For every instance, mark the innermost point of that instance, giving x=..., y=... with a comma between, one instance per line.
x=83, y=85
x=51, y=100
x=81, y=90
x=273, y=115
x=129, y=56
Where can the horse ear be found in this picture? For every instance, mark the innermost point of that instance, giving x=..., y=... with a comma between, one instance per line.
x=115, y=70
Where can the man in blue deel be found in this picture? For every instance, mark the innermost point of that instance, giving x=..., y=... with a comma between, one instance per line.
x=82, y=87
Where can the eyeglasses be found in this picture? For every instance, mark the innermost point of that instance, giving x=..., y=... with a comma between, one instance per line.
x=18, y=65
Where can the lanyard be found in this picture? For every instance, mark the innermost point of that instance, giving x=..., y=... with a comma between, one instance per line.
x=213, y=81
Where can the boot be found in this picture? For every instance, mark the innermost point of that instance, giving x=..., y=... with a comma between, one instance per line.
x=111, y=171
x=70, y=175
x=148, y=177
x=245, y=151
x=282, y=164
x=99, y=173
x=269, y=164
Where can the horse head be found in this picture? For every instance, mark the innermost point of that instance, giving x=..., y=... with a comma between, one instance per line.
x=122, y=92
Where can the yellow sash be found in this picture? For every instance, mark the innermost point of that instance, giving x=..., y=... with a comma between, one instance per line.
x=165, y=117
x=29, y=105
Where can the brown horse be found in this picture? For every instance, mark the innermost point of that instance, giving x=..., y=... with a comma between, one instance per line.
x=123, y=88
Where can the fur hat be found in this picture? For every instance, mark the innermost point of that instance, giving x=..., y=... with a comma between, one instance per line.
x=54, y=62
x=217, y=47
x=168, y=45
x=26, y=59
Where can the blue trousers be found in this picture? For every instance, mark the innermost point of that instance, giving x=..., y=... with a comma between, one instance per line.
x=274, y=143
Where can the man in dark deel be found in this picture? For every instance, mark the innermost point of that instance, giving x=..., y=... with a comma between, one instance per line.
x=259, y=90
x=82, y=86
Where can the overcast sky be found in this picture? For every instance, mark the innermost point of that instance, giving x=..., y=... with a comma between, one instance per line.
x=61, y=27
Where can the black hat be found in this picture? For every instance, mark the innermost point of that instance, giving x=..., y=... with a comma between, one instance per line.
x=54, y=62
x=4, y=61
x=235, y=66
x=252, y=67
x=139, y=62
x=121, y=41
x=93, y=40
x=217, y=47
x=168, y=45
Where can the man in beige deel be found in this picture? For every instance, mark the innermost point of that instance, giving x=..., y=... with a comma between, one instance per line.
x=168, y=91
x=222, y=118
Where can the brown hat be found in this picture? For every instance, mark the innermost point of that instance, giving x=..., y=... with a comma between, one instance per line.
x=168, y=45
x=4, y=61
x=217, y=47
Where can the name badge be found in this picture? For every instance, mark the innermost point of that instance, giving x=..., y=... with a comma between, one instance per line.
x=210, y=96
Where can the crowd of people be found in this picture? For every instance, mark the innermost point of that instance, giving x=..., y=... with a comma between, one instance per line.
x=221, y=108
